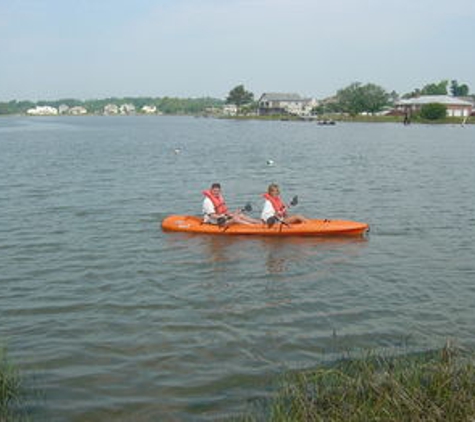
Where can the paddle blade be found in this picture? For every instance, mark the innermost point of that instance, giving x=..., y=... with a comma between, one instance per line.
x=247, y=207
x=294, y=201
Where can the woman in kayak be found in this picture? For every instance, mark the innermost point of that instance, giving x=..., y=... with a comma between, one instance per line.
x=275, y=209
x=215, y=210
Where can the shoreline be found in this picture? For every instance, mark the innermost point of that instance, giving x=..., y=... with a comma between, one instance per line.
x=326, y=120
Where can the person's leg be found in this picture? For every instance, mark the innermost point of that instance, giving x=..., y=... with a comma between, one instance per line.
x=242, y=219
x=295, y=219
x=249, y=219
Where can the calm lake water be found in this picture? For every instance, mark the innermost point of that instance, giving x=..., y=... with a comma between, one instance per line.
x=111, y=319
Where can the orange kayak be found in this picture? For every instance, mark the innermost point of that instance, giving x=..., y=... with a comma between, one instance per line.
x=193, y=224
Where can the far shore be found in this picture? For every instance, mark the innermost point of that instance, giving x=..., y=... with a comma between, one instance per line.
x=360, y=119
x=322, y=119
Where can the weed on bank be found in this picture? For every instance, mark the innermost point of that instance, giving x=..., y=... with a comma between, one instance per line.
x=433, y=386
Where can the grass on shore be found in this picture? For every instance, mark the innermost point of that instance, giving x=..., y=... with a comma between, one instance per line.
x=10, y=390
x=435, y=386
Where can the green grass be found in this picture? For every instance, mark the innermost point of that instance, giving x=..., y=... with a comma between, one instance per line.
x=435, y=386
x=11, y=397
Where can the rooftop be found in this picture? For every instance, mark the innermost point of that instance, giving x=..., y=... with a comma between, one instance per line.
x=430, y=99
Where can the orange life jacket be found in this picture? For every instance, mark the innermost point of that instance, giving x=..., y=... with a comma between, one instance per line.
x=277, y=203
x=219, y=204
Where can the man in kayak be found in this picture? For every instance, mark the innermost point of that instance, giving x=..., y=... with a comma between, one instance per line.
x=275, y=210
x=215, y=210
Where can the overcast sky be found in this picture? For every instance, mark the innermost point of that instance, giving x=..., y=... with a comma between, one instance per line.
x=85, y=49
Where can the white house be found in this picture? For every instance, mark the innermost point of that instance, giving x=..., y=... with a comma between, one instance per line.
x=281, y=103
x=111, y=109
x=127, y=109
x=456, y=107
x=63, y=109
x=77, y=111
x=42, y=111
x=149, y=109
x=230, y=109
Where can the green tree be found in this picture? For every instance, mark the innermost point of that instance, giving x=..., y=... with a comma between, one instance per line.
x=435, y=88
x=375, y=98
x=15, y=107
x=413, y=94
x=439, y=88
x=433, y=111
x=393, y=97
x=357, y=98
x=350, y=99
x=170, y=105
x=327, y=106
x=239, y=96
x=458, y=90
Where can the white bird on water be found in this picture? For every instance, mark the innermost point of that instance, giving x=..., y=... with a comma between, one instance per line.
x=270, y=162
x=177, y=150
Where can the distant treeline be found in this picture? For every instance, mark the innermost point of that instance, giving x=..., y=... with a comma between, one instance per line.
x=166, y=105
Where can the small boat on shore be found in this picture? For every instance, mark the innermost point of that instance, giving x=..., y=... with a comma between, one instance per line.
x=194, y=224
x=326, y=122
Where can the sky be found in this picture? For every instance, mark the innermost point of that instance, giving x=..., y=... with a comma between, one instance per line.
x=88, y=49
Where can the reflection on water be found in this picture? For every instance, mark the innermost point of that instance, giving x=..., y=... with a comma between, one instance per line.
x=276, y=253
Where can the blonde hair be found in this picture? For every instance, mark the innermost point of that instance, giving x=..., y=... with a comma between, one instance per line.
x=273, y=186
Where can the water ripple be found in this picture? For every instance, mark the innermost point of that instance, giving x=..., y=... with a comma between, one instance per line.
x=116, y=320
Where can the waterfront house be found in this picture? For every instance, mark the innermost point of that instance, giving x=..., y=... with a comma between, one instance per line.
x=77, y=111
x=127, y=109
x=230, y=110
x=282, y=103
x=63, y=109
x=42, y=111
x=456, y=107
x=149, y=109
x=111, y=109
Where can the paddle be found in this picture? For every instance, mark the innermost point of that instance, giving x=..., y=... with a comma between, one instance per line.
x=223, y=220
x=274, y=219
x=247, y=208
